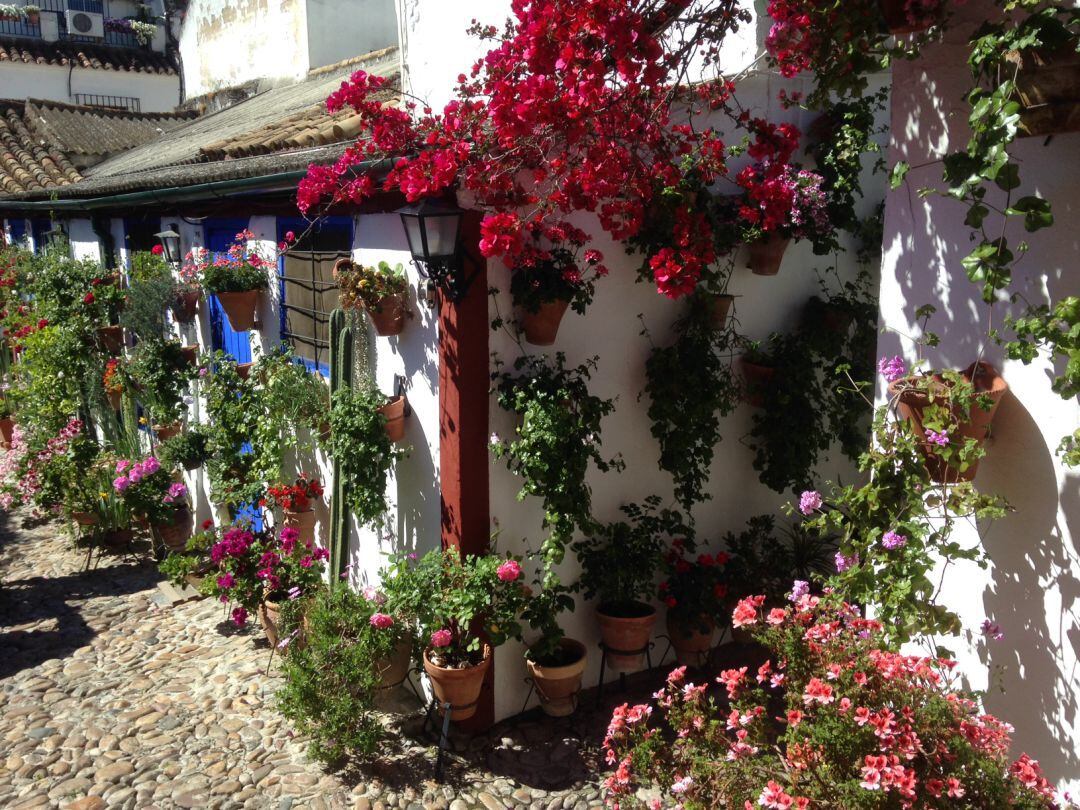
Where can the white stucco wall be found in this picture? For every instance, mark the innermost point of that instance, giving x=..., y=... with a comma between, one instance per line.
x=83, y=240
x=156, y=92
x=1033, y=584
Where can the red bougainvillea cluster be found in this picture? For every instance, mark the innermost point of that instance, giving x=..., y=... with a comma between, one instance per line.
x=831, y=720
x=295, y=497
x=571, y=110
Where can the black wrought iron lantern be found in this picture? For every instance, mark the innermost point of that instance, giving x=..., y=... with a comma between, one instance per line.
x=170, y=243
x=434, y=233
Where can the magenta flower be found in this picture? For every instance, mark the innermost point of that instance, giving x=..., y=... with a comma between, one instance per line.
x=940, y=439
x=295, y=592
x=372, y=595
x=177, y=492
x=239, y=616
x=843, y=562
x=122, y=483
x=150, y=466
x=122, y=466
x=810, y=501
x=892, y=370
x=441, y=638
x=892, y=541
x=992, y=630
x=226, y=581
x=383, y=621
x=509, y=571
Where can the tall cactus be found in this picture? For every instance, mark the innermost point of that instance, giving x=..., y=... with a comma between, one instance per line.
x=341, y=377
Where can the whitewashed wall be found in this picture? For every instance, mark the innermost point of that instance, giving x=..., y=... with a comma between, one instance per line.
x=1032, y=587
x=156, y=92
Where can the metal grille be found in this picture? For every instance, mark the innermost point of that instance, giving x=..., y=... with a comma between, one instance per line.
x=21, y=28
x=108, y=102
x=309, y=295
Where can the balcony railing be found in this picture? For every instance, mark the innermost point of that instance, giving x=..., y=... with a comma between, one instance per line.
x=23, y=28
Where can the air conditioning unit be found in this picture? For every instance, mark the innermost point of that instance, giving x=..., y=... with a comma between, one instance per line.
x=85, y=24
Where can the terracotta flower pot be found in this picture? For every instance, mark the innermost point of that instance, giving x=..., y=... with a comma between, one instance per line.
x=828, y=316
x=393, y=670
x=118, y=538
x=721, y=307
x=303, y=522
x=186, y=306
x=558, y=686
x=111, y=338
x=244, y=370
x=1048, y=89
x=394, y=411
x=7, y=430
x=542, y=327
x=458, y=687
x=270, y=618
x=912, y=404
x=84, y=518
x=176, y=534
x=33, y=17
x=758, y=379
x=191, y=354
x=240, y=307
x=388, y=317
x=166, y=432
x=625, y=630
x=116, y=399
x=691, y=644
x=767, y=255
x=896, y=19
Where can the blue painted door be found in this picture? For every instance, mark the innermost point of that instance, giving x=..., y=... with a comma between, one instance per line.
x=219, y=234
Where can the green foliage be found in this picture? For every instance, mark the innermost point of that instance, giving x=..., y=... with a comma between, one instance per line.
x=233, y=418
x=194, y=559
x=59, y=363
x=553, y=277
x=766, y=562
x=1056, y=331
x=362, y=450
x=151, y=293
x=691, y=386
x=241, y=277
x=161, y=375
x=186, y=450
x=369, y=286
x=1069, y=449
x=330, y=679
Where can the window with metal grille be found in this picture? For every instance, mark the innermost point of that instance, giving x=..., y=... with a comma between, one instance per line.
x=128, y=103
x=308, y=291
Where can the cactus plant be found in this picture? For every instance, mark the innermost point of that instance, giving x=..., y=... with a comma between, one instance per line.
x=341, y=377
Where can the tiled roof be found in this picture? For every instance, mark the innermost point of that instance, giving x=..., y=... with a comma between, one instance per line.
x=95, y=131
x=85, y=55
x=25, y=163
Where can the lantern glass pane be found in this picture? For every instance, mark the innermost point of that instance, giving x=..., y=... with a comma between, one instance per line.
x=412, y=233
x=442, y=234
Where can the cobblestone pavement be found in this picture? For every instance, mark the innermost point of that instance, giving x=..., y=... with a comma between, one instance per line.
x=108, y=700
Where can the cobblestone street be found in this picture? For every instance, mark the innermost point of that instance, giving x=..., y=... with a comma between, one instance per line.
x=109, y=700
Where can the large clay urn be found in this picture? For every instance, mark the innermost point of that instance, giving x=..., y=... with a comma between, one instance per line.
x=542, y=327
x=558, y=685
x=304, y=523
x=176, y=534
x=458, y=687
x=626, y=629
x=240, y=307
x=7, y=430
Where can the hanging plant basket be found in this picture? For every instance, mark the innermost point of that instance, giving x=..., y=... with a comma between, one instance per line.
x=394, y=411
x=244, y=370
x=626, y=631
x=758, y=378
x=191, y=354
x=767, y=255
x=720, y=309
x=558, y=686
x=166, y=432
x=111, y=338
x=1048, y=89
x=458, y=687
x=912, y=404
x=692, y=643
x=176, y=534
x=542, y=327
x=388, y=317
x=186, y=307
x=240, y=307
x=303, y=522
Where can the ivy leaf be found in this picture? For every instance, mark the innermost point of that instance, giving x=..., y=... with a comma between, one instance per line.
x=898, y=173
x=975, y=216
x=1036, y=211
x=1008, y=177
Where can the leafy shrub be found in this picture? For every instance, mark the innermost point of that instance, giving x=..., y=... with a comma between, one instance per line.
x=358, y=441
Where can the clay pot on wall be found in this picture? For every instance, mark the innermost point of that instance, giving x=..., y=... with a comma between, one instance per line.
x=1048, y=89
x=757, y=378
x=896, y=18
x=111, y=338
x=166, y=432
x=542, y=327
x=240, y=307
x=191, y=354
x=458, y=687
x=394, y=411
x=721, y=308
x=244, y=370
x=691, y=640
x=558, y=685
x=186, y=307
x=115, y=398
x=388, y=317
x=303, y=522
x=767, y=255
x=625, y=630
x=911, y=405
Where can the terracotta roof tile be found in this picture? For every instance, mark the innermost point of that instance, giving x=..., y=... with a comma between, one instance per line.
x=25, y=163
x=84, y=55
x=94, y=131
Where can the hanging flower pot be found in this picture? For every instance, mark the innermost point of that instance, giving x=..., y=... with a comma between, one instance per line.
x=913, y=403
x=1048, y=89
x=270, y=618
x=166, y=432
x=244, y=370
x=392, y=671
x=240, y=307
x=828, y=315
x=542, y=327
x=303, y=522
x=186, y=306
x=191, y=354
x=116, y=399
x=758, y=378
x=558, y=684
x=691, y=639
x=388, y=316
x=625, y=630
x=111, y=338
x=458, y=687
x=33, y=17
x=767, y=255
x=720, y=307
x=176, y=534
x=394, y=411
x=7, y=430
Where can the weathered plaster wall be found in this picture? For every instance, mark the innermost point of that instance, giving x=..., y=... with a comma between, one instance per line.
x=1033, y=583
x=337, y=31
x=156, y=93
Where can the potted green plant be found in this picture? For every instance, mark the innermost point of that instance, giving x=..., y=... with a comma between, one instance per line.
x=543, y=284
x=103, y=303
x=151, y=494
x=33, y=14
x=189, y=565
x=452, y=600
x=115, y=381
x=160, y=372
x=556, y=663
x=619, y=562
x=695, y=592
x=188, y=288
x=148, y=296
x=187, y=451
x=236, y=277
x=758, y=371
x=381, y=291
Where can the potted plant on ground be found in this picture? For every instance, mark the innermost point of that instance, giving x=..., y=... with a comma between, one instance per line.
x=695, y=591
x=556, y=663
x=152, y=495
x=619, y=562
x=189, y=565
x=296, y=502
x=380, y=290
x=463, y=609
x=236, y=277
x=188, y=288
x=352, y=647
x=160, y=373
x=544, y=283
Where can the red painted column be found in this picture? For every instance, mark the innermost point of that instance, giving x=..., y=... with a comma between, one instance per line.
x=463, y=426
